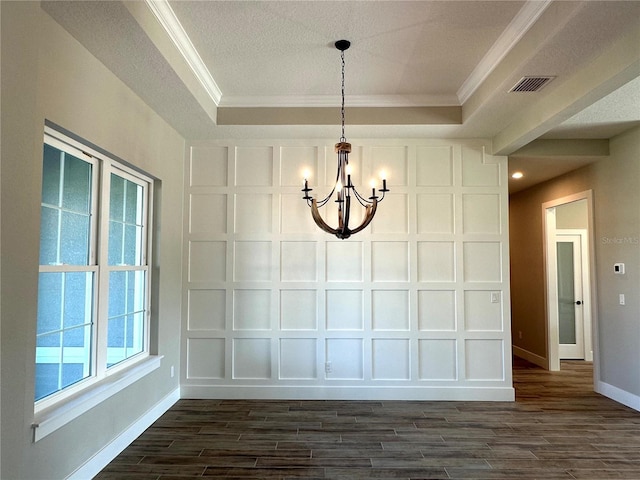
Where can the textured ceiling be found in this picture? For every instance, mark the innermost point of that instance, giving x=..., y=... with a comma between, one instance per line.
x=285, y=49
x=201, y=63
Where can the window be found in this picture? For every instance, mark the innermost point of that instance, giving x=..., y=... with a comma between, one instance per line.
x=93, y=291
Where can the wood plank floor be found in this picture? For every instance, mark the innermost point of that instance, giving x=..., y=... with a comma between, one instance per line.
x=557, y=429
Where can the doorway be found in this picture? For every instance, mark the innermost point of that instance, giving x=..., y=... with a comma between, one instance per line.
x=567, y=226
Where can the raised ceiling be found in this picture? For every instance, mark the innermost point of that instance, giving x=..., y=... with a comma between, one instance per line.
x=441, y=69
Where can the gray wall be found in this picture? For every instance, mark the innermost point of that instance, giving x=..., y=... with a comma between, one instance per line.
x=46, y=74
x=573, y=215
x=615, y=182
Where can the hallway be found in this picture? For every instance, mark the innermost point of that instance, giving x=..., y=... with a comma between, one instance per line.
x=558, y=428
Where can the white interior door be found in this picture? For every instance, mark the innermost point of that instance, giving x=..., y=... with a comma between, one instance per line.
x=571, y=327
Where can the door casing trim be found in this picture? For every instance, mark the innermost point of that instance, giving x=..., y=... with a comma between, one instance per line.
x=550, y=266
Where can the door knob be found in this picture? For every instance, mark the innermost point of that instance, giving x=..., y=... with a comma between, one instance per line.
x=578, y=302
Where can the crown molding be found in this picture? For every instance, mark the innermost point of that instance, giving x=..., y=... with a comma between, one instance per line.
x=252, y=116
x=334, y=101
x=521, y=23
x=167, y=18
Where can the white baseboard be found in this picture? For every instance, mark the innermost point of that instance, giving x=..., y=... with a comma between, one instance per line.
x=531, y=357
x=619, y=395
x=488, y=393
x=110, y=451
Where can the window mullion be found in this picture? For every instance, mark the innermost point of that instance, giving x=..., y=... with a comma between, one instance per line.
x=103, y=272
x=59, y=210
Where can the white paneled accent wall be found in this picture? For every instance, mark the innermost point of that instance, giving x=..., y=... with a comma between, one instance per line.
x=414, y=307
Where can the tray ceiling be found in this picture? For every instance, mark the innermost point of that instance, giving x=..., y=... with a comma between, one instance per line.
x=219, y=69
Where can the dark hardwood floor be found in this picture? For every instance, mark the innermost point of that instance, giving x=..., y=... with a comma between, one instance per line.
x=557, y=428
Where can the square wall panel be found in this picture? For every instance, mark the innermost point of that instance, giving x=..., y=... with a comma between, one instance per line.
x=344, y=310
x=254, y=166
x=252, y=309
x=437, y=310
x=390, y=261
x=484, y=359
x=252, y=358
x=344, y=261
x=206, y=309
x=481, y=213
x=480, y=313
x=482, y=262
x=207, y=214
x=298, y=359
x=252, y=262
x=393, y=162
x=436, y=262
x=434, y=166
x=390, y=359
x=205, y=358
x=295, y=215
x=253, y=213
x=437, y=360
x=476, y=173
x=294, y=161
x=207, y=261
x=298, y=310
x=209, y=166
x=435, y=213
x=390, y=309
x=355, y=162
x=392, y=215
x=298, y=262
x=345, y=357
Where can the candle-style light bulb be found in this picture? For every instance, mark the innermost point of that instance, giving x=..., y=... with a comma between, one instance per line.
x=383, y=176
x=348, y=172
x=306, y=175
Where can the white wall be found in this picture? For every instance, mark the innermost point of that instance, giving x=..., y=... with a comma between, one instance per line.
x=47, y=75
x=401, y=310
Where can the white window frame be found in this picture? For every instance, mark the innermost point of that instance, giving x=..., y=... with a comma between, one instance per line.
x=106, y=269
x=57, y=409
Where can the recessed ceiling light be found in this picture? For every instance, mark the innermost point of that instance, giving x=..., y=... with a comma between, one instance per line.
x=517, y=175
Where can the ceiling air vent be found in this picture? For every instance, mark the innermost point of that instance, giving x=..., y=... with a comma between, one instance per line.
x=531, y=84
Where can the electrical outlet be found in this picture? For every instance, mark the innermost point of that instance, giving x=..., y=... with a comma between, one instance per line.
x=495, y=297
x=327, y=367
x=621, y=298
x=520, y=334
x=172, y=371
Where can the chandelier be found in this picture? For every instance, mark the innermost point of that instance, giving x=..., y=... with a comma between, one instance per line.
x=343, y=189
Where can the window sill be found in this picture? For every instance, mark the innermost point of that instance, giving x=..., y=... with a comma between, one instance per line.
x=55, y=417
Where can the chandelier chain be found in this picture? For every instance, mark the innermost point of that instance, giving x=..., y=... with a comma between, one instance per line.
x=342, y=138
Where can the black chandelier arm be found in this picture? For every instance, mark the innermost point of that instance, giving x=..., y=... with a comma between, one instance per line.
x=343, y=216
x=363, y=201
x=325, y=200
